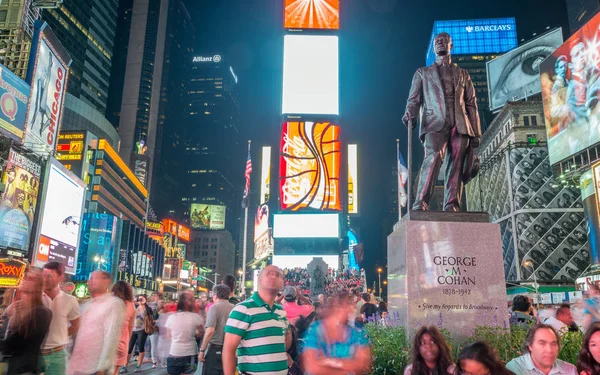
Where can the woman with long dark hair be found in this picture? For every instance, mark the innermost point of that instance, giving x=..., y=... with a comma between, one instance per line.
x=28, y=323
x=430, y=354
x=139, y=334
x=124, y=291
x=479, y=359
x=588, y=362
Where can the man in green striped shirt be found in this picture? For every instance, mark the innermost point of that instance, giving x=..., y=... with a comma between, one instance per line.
x=257, y=328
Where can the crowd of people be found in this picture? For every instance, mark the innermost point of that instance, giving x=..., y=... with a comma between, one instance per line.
x=334, y=281
x=277, y=330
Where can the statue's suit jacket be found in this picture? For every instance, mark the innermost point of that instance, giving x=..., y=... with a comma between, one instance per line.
x=427, y=97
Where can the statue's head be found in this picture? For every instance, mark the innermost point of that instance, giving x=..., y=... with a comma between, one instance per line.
x=442, y=44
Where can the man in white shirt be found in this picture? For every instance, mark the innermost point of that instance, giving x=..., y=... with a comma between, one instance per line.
x=65, y=320
x=101, y=320
x=562, y=321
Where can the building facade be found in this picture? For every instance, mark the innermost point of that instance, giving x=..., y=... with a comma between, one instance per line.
x=87, y=31
x=212, y=250
x=581, y=11
x=541, y=218
x=16, y=23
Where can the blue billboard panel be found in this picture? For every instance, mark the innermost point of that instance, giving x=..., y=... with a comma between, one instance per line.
x=14, y=94
x=471, y=37
x=97, y=246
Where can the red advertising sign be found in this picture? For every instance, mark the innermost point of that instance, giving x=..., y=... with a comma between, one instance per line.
x=11, y=272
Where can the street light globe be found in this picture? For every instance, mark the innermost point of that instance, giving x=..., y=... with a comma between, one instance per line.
x=96, y=258
x=384, y=282
x=379, y=270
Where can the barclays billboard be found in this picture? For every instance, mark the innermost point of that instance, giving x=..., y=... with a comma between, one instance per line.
x=100, y=234
x=481, y=36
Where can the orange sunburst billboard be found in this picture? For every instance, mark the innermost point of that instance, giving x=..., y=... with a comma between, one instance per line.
x=309, y=167
x=312, y=14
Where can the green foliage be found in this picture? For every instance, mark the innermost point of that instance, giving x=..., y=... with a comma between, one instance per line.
x=391, y=347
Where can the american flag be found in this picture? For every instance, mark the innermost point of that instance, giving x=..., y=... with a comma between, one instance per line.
x=247, y=173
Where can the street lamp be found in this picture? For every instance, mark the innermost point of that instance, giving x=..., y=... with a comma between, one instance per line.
x=529, y=263
x=379, y=270
x=99, y=260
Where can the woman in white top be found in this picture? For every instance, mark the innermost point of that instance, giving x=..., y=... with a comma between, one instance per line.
x=183, y=327
x=430, y=354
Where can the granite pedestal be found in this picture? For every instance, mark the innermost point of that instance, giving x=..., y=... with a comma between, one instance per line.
x=446, y=269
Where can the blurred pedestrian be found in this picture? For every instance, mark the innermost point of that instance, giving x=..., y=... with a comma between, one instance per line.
x=588, y=362
x=230, y=281
x=430, y=354
x=214, y=333
x=102, y=317
x=183, y=327
x=28, y=323
x=591, y=306
x=294, y=310
x=256, y=330
x=479, y=359
x=124, y=291
x=153, y=304
x=368, y=309
x=332, y=345
x=143, y=315
x=164, y=341
x=65, y=320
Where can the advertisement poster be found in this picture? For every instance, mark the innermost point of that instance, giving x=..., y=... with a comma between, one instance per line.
x=70, y=149
x=303, y=14
x=142, y=264
x=14, y=94
x=309, y=168
x=261, y=221
x=98, y=238
x=48, y=85
x=516, y=74
x=207, y=216
x=61, y=218
x=19, y=200
x=571, y=93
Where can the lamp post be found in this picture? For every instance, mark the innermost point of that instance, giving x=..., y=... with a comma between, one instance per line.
x=99, y=260
x=529, y=263
x=379, y=270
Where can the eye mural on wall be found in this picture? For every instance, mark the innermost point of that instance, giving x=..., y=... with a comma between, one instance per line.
x=310, y=166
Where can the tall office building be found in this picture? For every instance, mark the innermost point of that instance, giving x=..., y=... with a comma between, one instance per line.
x=213, y=160
x=16, y=29
x=475, y=43
x=138, y=115
x=168, y=153
x=581, y=11
x=87, y=30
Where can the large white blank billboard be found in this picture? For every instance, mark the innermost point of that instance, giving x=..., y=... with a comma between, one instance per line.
x=306, y=226
x=310, y=75
x=294, y=261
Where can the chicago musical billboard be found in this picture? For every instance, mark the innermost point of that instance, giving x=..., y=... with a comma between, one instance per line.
x=570, y=80
x=309, y=167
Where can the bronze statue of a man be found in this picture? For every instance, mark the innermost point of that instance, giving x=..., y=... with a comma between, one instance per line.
x=445, y=97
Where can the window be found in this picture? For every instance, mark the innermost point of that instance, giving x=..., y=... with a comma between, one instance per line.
x=213, y=246
x=213, y=239
x=533, y=121
x=205, y=246
x=205, y=239
x=526, y=120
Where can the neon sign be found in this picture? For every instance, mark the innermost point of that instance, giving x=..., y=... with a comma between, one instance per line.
x=11, y=272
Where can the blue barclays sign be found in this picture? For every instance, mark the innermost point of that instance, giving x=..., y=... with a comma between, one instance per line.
x=480, y=36
x=97, y=245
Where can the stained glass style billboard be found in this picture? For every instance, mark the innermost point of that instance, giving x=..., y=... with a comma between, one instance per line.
x=309, y=167
x=312, y=14
x=471, y=37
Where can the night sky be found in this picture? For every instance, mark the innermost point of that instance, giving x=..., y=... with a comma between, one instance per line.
x=382, y=43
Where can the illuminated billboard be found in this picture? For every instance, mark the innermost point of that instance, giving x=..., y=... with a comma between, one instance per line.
x=70, y=149
x=352, y=179
x=312, y=14
x=306, y=225
x=310, y=75
x=98, y=238
x=207, y=216
x=309, y=167
x=265, y=175
x=47, y=74
x=516, y=74
x=14, y=95
x=17, y=207
x=471, y=37
x=60, y=218
x=571, y=93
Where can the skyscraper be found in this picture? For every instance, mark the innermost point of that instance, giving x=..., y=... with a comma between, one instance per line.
x=87, y=31
x=16, y=29
x=581, y=11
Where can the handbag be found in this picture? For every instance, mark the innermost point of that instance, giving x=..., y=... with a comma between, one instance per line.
x=150, y=325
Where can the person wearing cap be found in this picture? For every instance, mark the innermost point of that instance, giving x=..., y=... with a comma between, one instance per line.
x=294, y=311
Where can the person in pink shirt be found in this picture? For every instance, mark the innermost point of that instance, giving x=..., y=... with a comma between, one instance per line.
x=294, y=310
x=124, y=291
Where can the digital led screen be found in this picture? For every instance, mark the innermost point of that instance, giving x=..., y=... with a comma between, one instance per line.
x=516, y=74
x=352, y=179
x=570, y=92
x=309, y=166
x=265, y=175
x=261, y=221
x=18, y=203
x=48, y=85
x=310, y=75
x=70, y=150
x=306, y=225
x=294, y=261
x=471, y=37
x=98, y=238
x=207, y=216
x=312, y=14
x=14, y=95
x=61, y=218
